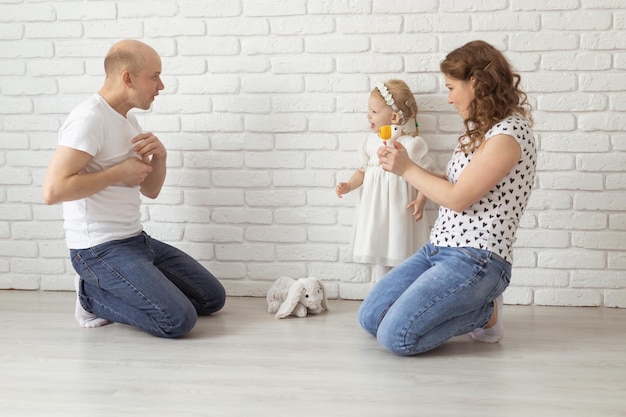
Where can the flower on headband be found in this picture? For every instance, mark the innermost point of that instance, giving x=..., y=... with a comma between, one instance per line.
x=386, y=95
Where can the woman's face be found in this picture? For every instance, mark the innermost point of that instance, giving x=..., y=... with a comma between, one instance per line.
x=460, y=95
x=380, y=114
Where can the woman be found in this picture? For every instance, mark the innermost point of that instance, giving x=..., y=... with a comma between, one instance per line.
x=454, y=284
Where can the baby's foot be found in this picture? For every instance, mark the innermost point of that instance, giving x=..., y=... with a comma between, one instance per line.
x=83, y=317
x=495, y=332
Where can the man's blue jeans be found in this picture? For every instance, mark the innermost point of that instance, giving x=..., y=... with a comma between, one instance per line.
x=145, y=283
x=434, y=295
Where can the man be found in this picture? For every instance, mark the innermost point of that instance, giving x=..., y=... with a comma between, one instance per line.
x=102, y=163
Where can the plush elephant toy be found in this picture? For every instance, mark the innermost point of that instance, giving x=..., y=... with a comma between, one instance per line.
x=298, y=297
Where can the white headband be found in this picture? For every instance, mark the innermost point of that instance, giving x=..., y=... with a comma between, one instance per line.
x=384, y=91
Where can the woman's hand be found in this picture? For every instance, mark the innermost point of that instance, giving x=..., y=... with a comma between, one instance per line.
x=394, y=158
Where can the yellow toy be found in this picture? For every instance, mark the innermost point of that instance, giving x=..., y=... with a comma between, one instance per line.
x=389, y=132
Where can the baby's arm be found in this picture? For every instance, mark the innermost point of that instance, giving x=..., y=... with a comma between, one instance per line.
x=355, y=181
x=420, y=201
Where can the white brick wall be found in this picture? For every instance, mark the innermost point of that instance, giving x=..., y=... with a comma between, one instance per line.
x=264, y=108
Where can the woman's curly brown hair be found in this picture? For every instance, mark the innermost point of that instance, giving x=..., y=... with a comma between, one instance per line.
x=496, y=89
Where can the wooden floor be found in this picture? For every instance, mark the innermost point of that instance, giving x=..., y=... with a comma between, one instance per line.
x=243, y=362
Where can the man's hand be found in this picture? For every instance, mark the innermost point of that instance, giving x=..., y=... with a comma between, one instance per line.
x=153, y=154
x=134, y=171
x=147, y=146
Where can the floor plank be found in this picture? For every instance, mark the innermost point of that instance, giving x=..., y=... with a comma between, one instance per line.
x=242, y=362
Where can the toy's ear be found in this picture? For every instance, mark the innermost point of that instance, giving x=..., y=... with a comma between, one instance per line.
x=324, y=302
x=293, y=298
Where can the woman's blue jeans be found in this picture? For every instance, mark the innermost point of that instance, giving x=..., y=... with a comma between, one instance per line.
x=147, y=284
x=434, y=295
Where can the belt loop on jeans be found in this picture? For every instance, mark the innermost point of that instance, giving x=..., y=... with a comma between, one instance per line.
x=146, y=238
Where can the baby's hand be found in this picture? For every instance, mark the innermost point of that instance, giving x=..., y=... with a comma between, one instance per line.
x=418, y=209
x=342, y=188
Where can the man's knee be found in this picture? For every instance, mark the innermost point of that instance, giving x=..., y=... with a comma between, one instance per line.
x=214, y=303
x=179, y=323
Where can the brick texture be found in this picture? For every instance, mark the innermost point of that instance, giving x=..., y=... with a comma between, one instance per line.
x=264, y=108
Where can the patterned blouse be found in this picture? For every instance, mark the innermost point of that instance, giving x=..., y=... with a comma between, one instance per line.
x=491, y=223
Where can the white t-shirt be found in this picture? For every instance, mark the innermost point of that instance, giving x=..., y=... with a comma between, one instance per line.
x=491, y=223
x=113, y=213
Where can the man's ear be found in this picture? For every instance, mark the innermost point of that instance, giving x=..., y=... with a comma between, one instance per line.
x=395, y=118
x=126, y=79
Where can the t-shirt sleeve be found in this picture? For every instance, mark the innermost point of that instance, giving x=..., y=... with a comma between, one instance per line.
x=512, y=126
x=82, y=131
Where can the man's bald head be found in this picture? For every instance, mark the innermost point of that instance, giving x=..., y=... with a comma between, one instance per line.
x=133, y=76
x=126, y=55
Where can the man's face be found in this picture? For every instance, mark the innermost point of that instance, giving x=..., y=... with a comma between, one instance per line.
x=147, y=82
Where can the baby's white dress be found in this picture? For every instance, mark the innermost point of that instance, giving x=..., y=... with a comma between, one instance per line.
x=384, y=231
